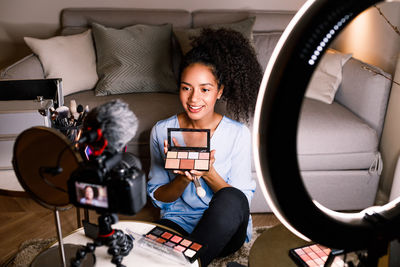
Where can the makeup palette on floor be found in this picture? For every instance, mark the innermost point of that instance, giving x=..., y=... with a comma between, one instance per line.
x=188, y=149
x=189, y=247
x=316, y=255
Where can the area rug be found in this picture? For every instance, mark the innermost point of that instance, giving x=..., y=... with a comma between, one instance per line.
x=28, y=250
x=241, y=256
x=31, y=248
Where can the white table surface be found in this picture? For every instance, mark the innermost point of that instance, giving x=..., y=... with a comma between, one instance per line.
x=137, y=257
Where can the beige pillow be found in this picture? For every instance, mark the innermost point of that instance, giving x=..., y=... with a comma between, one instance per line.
x=245, y=27
x=71, y=58
x=327, y=76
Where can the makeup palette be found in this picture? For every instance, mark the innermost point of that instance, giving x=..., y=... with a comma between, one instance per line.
x=188, y=149
x=316, y=255
x=178, y=243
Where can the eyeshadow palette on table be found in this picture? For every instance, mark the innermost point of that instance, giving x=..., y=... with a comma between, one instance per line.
x=176, y=243
x=316, y=255
x=188, y=149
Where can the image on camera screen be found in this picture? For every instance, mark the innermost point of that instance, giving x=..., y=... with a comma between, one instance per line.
x=91, y=194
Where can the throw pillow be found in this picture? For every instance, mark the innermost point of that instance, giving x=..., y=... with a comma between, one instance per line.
x=264, y=45
x=327, y=76
x=245, y=27
x=134, y=59
x=71, y=58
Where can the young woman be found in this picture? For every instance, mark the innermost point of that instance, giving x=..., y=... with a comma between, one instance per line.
x=221, y=65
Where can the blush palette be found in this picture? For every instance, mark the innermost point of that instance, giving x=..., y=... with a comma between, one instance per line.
x=187, y=246
x=188, y=149
x=316, y=255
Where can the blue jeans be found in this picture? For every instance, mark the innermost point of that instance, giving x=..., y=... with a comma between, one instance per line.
x=222, y=227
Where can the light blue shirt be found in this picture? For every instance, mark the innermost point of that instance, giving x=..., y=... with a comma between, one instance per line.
x=232, y=142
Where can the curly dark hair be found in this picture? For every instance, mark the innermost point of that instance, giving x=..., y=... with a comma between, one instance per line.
x=234, y=64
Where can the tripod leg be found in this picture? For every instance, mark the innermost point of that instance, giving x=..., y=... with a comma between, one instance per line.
x=78, y=217
x=60, y=238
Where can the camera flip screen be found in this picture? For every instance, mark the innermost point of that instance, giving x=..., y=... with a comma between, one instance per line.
x=91, y=194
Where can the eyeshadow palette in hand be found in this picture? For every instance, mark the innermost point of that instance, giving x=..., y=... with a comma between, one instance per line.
x=187, y=246
x=188, y=149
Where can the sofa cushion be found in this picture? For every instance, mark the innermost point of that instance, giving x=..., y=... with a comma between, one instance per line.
x=134, y=59
x=28, y=67
x=71, y=58
x=353, y=189
x=330, y=137
x=245, y=27
x=327, y=76
x=362, y=79
x=264, y=44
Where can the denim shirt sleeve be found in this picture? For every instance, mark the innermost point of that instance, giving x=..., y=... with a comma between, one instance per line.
x=240, y=174
x=158, y=176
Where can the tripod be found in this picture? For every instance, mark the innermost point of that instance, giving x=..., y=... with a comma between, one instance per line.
x=119, y=243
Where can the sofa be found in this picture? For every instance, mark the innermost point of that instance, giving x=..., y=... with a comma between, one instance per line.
x=337, y=142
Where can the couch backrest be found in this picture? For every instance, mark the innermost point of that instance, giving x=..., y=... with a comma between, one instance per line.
x=266, y=21
x=81, y=18
x=365, y=90
x=267, y=29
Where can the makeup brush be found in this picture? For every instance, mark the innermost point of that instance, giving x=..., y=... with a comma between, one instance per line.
x=73, y=109
x=199, y=190
x=63, y=114
x=79, y=109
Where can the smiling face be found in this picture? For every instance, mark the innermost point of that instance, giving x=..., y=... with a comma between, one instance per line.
x=199, y=91
x=89, y=194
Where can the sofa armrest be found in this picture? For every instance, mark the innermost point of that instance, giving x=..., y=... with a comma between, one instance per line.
x=365, y=91
x=28, y=67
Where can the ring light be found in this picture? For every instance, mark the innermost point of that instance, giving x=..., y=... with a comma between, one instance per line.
x=275, y=130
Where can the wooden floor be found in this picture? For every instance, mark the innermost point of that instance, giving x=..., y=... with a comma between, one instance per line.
x=22, y=219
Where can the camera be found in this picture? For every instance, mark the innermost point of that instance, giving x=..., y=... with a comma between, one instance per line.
x=110, y=183
x=110, y=180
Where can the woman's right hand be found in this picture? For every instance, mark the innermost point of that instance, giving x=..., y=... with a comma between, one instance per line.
x=186, y=174
x=166, y=145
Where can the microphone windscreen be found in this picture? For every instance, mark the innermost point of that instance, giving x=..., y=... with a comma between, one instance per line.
x=117, y=122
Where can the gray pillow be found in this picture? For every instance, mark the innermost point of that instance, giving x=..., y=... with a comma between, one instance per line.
x=245, y=27
x=264, y=44
x=134, y=59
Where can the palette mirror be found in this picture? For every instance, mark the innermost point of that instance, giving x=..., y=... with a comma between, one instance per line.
x=343, y=112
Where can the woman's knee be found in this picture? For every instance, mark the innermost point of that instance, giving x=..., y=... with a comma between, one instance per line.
x=231, y=202
x=232, y=196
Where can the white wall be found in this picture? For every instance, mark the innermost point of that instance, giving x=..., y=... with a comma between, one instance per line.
x=370, y=38
x=40, y=18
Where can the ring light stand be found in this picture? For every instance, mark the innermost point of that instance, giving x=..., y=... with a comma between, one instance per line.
x=275, y=130
x=43, y=160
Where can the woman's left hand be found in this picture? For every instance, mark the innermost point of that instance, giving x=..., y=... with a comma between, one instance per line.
x=210, y=169
x=211, y=177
